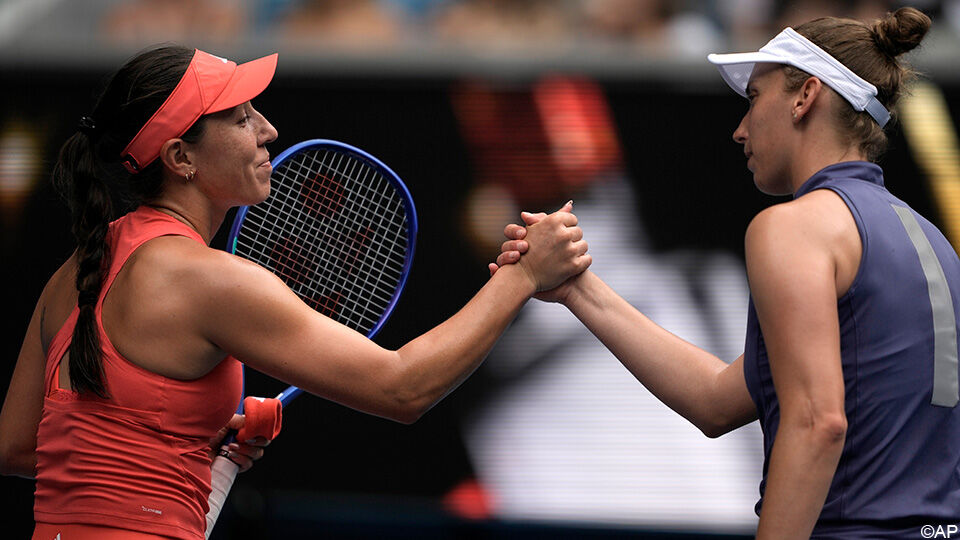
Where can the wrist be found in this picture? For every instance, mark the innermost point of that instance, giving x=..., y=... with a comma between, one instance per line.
x=577, y=293
x=520, y=277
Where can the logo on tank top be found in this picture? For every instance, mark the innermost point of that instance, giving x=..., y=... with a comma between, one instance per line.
x=151, y=510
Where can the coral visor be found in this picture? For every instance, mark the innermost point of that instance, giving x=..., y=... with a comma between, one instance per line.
x=209, y=85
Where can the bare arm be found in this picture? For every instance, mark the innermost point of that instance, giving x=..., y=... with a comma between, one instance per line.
x=696, y=384
x=252, y=315
x=792, y=275
x=702, y=388
x=23, y=404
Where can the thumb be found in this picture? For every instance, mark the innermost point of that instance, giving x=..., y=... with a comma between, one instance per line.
x=530, y=219
x=236, y=422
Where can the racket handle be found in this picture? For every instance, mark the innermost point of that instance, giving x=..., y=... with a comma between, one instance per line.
x=222, y=474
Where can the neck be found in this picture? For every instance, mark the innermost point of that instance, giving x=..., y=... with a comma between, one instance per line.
x=206, y=224
x=186, y=202
x=819, y=146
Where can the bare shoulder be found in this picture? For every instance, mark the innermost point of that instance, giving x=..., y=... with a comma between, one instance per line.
x=819, y=215
x=57, y=300
x=169, y=292
x=180, y=270
x=815, y=229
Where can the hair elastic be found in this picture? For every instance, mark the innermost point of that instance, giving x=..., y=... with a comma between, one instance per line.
x=87, y=125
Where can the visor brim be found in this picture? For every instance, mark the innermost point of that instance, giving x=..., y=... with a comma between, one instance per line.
x=736, y=68
x=248, y=81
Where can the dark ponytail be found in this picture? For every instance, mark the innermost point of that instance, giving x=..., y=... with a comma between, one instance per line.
x=98, y=189
x=92, y=208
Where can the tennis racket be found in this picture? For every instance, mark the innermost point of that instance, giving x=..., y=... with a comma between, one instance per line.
x=339, y=228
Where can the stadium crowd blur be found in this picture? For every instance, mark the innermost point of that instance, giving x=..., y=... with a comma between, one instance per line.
x=654, y=27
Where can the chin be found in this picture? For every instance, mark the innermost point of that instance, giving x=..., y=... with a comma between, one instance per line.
x=771, y=188
x=264, y=190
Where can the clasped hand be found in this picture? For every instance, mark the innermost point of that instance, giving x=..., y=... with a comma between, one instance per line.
x=550, y=249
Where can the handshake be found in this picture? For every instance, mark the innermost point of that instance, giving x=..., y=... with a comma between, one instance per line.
x=549, y=248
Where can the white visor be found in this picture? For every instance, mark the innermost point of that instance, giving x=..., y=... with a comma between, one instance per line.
x=789, y=47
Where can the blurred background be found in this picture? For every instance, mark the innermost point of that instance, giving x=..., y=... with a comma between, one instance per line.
x=484, y=108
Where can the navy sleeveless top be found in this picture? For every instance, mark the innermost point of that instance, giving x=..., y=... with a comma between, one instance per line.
x=900, y=466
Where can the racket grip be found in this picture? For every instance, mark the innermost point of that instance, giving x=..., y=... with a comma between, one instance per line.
x=222, y=474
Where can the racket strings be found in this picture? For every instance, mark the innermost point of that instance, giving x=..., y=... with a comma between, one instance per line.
x=296, y=272
x=334, y=229
x=341, y=254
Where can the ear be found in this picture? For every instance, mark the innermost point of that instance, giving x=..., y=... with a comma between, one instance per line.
x=805, y=98
x=176, y=157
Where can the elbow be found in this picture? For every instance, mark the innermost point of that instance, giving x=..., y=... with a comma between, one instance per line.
x=407, y=410
x=721, y=420
x=716, y=426
x=825, y=430
x=6, y=464
x=831, y=428
x=409, y=416
x=407, y=392
x=404, y=401
x=16, y=463
x=7, y=460
x=712, y=431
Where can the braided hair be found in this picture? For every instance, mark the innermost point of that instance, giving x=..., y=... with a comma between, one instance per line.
x=89, y=176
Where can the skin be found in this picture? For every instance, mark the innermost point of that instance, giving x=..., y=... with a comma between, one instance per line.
x=178, y=308
x=802, y=256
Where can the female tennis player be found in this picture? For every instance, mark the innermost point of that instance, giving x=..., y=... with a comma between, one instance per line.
x=127, y=370
x=850, y=360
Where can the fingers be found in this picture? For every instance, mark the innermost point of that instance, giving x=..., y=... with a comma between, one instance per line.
x=520, y=246
x=530, y=219
x=580, y=247
x=508, y=257
x=244, y=454
x=583, y=262
x=514, y=231
x=236, y=422
x=576, y=234
x=566, y=218
x=258, y=441
x=493, y=268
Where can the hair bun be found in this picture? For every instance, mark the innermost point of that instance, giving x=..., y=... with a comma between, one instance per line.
x=900, y=31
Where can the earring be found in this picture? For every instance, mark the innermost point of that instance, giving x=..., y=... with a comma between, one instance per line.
x=189, y=176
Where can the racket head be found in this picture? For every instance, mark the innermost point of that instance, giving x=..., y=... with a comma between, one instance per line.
x=339, y=226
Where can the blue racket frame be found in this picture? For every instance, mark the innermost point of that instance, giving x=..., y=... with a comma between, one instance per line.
x=292, y=392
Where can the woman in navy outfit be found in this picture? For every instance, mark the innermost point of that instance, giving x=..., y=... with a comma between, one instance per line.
x=850, y=360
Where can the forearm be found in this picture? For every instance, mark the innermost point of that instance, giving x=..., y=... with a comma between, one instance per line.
x=686, y=378
x=802, y=464
x=23, y=464
x=435, y=363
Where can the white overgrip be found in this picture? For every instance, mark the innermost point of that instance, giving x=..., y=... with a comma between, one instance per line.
x=222, y=474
